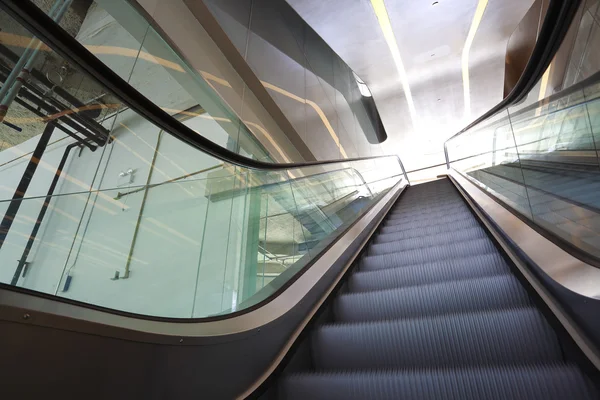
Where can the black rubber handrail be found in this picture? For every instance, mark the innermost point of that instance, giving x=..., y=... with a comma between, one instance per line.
x=61, y=42
x=556, y=24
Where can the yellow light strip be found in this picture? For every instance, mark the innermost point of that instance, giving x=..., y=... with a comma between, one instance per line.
x=544, y=84
x=465, y=55
x=315, y=107
x=390, y=38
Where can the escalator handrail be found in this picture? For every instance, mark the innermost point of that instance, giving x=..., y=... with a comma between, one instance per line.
x=46, y=30
x=556, y=24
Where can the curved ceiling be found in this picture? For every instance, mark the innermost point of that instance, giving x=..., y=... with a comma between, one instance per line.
x=430, y=40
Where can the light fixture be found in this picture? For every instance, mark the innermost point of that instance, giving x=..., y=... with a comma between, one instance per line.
x=390, y=38
x=362, y=86
x=481, y=5
x=544, y=83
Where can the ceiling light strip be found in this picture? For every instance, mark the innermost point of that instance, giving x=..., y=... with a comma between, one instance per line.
x=465, y=55
x=390, y=38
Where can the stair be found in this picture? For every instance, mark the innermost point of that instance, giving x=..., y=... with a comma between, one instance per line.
x=432, y=311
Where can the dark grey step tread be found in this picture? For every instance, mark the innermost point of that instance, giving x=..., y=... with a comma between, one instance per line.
x=440, y=271
x=428, y=216
x=410, y=224
x=391, y=234
x=426, y=241
x=417, y=205
x=507, y=337
x=553, y=381
x=426, y=255
x=489, y=293
x=426, y=211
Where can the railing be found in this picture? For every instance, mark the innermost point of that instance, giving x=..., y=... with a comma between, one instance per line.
x=119, y=200
x=540, y=157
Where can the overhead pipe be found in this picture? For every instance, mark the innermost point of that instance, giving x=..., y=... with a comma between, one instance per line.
x=25, y=64
x=40, y=77
x=25, y=56
x=33, y=95
x=69, y=122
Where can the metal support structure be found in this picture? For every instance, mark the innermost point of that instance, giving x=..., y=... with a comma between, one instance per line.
x=23, y=265
x=446, y=155
x=8, y=83
x=17, y=199
x=403, y=170
x=13, y=84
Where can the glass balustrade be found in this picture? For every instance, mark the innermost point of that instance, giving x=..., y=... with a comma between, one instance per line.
x=99, y=205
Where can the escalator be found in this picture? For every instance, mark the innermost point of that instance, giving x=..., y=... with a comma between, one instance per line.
x=432, y=310
x=187, y=260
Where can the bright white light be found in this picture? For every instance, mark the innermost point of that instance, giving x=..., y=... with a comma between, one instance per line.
x=388, y=33
x=364, y=89
x=465, y=56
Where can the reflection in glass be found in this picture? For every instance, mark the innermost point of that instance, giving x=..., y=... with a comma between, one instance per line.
x=101, y=206
x=540, y=158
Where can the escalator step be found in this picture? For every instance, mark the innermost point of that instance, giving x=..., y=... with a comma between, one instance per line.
x=517, y=336
x=428, y=254
x=389, y=235
x=419, y=274
x=426, y=241
x=553, y=381
x=434, y=215
x=433, y=311
x=442, y=225
x=425, y=209
x=416, y=223
x=490, y=293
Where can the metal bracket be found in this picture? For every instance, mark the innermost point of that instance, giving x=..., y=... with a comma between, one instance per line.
x=25, y=268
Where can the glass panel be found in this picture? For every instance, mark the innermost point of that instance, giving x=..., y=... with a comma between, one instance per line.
x=121, y=214
x=495, y=165
x=205, y=85
x=540, y=157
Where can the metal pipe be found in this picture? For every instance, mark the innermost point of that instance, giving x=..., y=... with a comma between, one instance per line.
x=14, y=87
x=58, y=126
x=96, y=129
x=23, y=265
x=5, y=51
x=51, y=110
x=17, y=199
x=8, y=83
x=36, y=97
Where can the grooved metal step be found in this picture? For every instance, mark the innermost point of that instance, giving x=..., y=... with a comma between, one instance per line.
x=518, y=337
x=554, y=381
x=424, y=255
x=391, y=236
x=489, y=293
x=439, y=271
x=409, y=224
x=433, y=311
x=426, y=241
x=447, y=207
x=449, y=225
